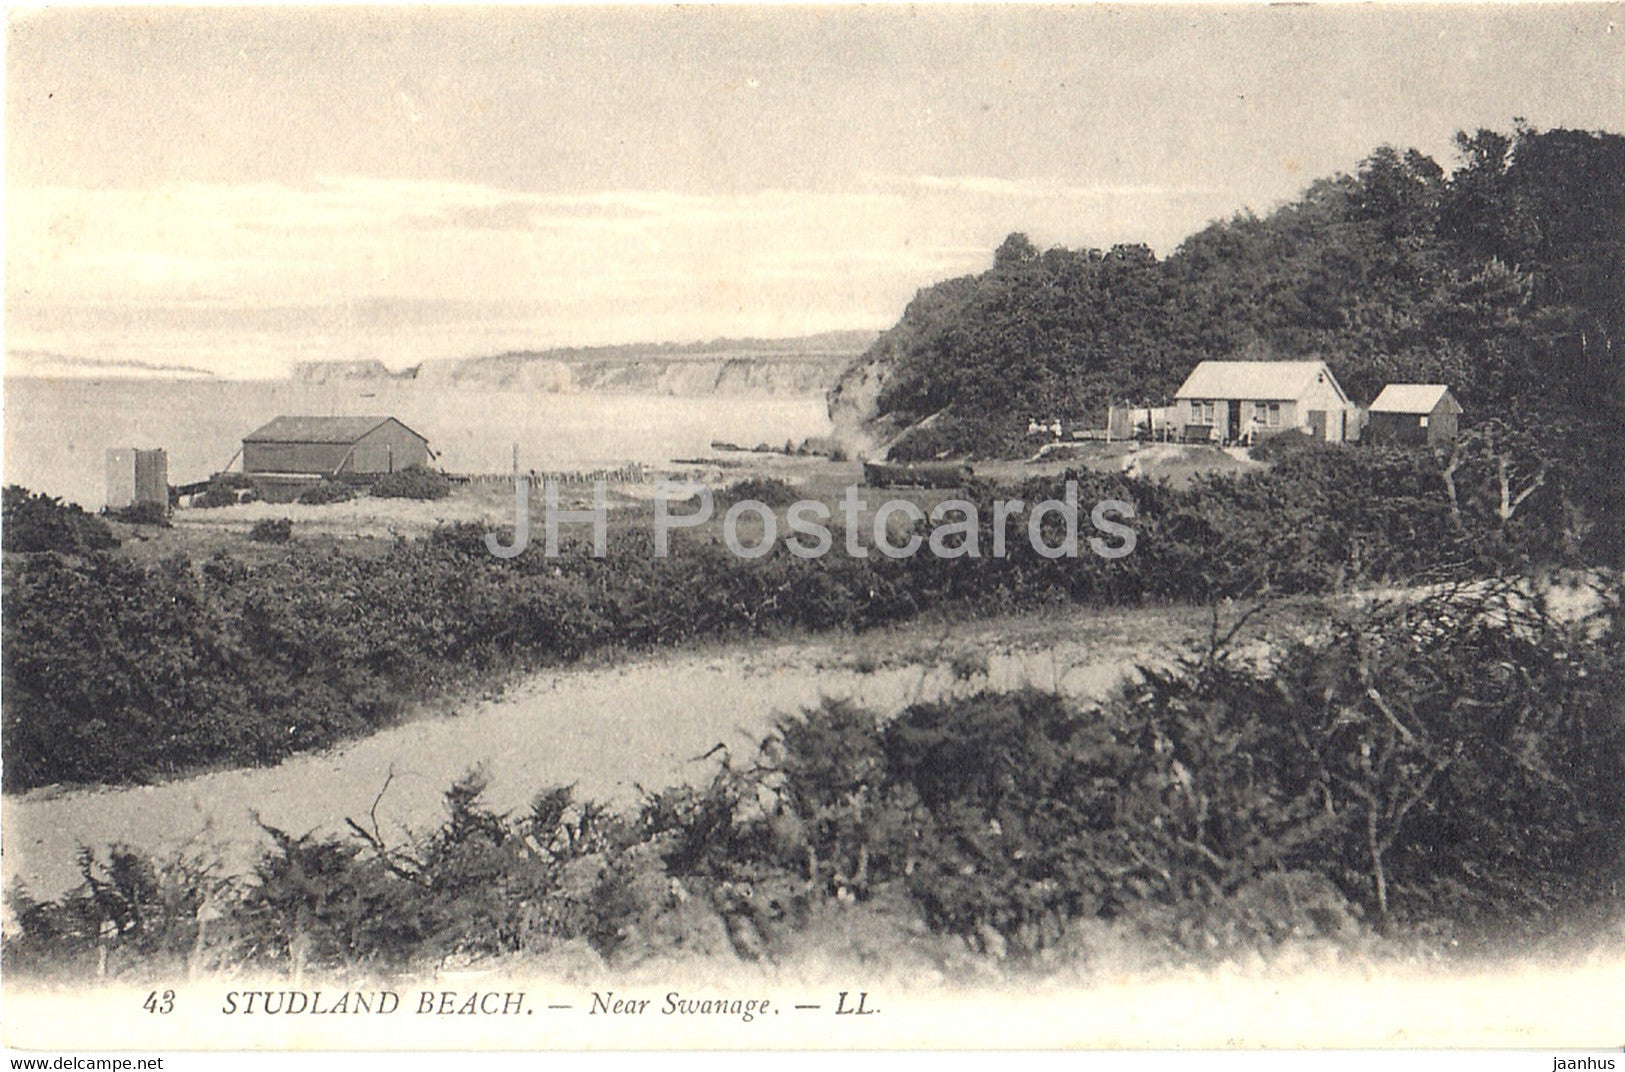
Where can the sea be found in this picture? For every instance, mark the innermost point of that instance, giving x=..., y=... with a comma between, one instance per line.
x=57, y=430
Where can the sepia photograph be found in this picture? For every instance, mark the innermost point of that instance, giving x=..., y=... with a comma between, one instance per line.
x=813, y=528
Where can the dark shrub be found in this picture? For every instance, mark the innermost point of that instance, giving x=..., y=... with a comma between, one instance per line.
x=768, y=490
x=142, y=514
x=129, y=913
x=272, y=530
x=328, y=491
x=225, y=489
x=1285, y=444
x=464, y=537
x=954, y=435
x=414, y=483
x=35, y=522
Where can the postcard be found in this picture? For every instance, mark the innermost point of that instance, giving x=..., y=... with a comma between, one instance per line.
x=944, y=527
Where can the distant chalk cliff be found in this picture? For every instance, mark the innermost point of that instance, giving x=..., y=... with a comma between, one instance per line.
x=801, y=366
x=348, y=372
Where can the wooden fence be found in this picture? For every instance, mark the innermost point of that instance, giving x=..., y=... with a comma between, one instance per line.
x=632, y=473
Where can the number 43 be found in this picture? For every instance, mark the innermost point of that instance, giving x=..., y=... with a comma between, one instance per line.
x=162, y=1004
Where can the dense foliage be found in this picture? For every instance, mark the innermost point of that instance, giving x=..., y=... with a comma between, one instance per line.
x=1449, y=763
x=413, y=483
x=37, y=522
x=327, y=492
x=225, y=489
x=768, y=490
x=145, y=513
x=1504, y=279
x=272, y=530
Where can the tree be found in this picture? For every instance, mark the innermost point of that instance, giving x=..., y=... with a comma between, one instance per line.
x=1496, y=467
x=1015, y=250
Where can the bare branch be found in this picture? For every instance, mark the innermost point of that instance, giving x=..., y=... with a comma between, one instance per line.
x=1382, y=705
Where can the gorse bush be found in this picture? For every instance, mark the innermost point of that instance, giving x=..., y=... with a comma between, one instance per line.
x=34, y=523
x=224, y=489
x=272, y=530
x=1448, y=759
x=1286, y=444
x=413, y=483
x=768, y=490
x=1424, y=765
x=327, y=492
x=147, y=513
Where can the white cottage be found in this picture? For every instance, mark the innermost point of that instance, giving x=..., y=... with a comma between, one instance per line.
x=1238, y=401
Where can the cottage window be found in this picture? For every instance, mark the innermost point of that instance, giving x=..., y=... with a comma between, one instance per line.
x=1422, y=421
x=1274, y=417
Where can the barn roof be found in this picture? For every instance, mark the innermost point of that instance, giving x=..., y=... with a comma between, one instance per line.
x=318, y=429
x=1255, y=380
x=1412, y=398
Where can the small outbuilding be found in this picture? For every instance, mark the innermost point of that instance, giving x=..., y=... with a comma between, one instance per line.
x=137, y=478
x=333, y=447
x=1414, y=414
x=1239, y=401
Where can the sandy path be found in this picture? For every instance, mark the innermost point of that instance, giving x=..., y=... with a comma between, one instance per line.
x=608, y=730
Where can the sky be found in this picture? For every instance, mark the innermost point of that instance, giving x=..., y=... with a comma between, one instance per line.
x=237, y=188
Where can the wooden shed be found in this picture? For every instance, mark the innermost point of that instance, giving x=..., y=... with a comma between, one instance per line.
x=137, y=478
x=1414, y=414
x=1238, y=401
x=333, y=447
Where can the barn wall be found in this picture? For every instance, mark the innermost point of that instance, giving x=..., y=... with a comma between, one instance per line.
x=1342, y=420
x=120, y=478
x=1322, y=394
x=1185, y=416
x=1442, y=426
x=387, y=448
x=152, y=477
x=1404, y=429
x=293, y=457
x=1292, y=414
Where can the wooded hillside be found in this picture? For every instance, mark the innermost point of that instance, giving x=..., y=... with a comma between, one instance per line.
x=1504, y=278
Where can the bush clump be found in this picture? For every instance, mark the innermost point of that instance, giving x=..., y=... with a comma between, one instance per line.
x=1285, y=444
x=952, y=434
x=147, y=513
x=272, y=530
x=767, y=490
x=416, y=482
x=1439, y=762
x=34, y=522
x=225, y=489
x=326, y=493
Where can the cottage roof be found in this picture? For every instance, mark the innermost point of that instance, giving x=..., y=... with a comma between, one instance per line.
x=1413, y=398
x=318, y=429
x=1255, y=380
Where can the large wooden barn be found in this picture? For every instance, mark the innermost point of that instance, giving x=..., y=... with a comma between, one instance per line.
x=333, y=447
x=1414, y=414
x=1239, y=401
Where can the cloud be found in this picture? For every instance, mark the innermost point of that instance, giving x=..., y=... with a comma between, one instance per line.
x=1030, y=189
x=549, y=267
